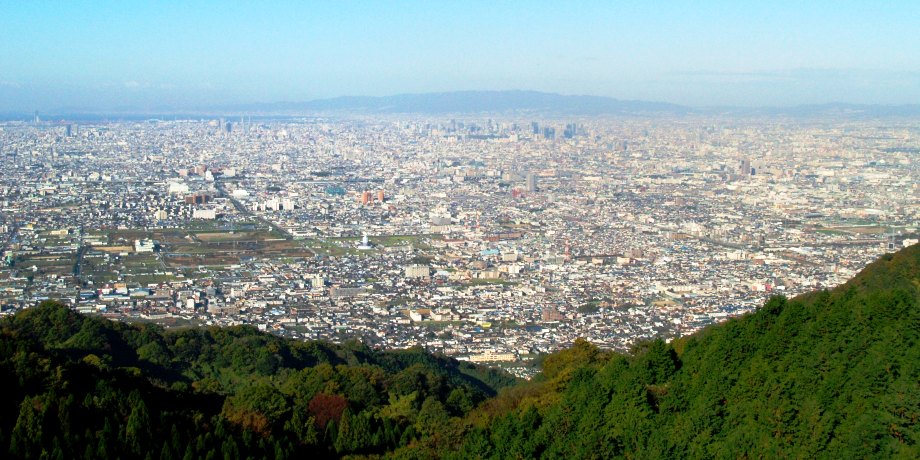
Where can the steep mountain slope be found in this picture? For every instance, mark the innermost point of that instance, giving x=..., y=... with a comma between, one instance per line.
x=833, y=374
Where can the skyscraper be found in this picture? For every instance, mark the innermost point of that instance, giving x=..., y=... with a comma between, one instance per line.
x=745, y=168
x=531, y=182
x=570, y=130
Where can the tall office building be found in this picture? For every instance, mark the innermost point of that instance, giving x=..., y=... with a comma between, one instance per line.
x=536, y=127
x=317, y=281
x=570, y=130
x=68, y=130
x=745, y=167
x=531, y=182
x=549, y=133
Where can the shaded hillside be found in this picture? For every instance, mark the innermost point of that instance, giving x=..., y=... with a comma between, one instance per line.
x=87, y=387
x=831, y=374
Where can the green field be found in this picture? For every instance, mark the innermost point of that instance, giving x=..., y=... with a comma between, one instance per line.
x=183, y=251
x=348, y=245
x=488, y=281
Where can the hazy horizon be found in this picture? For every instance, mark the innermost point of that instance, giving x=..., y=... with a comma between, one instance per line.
x=104, y=56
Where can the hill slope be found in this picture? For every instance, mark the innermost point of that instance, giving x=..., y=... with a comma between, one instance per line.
x=832, y=374
x=87, y=387
x=828, y=374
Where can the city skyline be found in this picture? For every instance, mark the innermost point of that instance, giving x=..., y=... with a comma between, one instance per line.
x=135, y=54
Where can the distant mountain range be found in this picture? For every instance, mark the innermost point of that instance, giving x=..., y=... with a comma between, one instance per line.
x=508, y=102
x=473, y=102
x=514, y=102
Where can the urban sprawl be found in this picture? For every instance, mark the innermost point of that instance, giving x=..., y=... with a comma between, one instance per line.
x=487, y=240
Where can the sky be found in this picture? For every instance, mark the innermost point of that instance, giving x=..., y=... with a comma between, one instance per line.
x=98, y=55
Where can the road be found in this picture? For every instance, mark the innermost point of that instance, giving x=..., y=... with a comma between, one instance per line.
x=248, y=212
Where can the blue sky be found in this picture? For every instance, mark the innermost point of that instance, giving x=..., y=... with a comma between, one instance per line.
x=187, y=54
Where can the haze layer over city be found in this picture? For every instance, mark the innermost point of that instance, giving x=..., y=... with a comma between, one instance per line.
x=474, y=181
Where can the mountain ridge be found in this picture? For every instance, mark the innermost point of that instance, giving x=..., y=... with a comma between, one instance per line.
x=489, y=103
x=537, y=102
x=827, y=374
x=475, y=102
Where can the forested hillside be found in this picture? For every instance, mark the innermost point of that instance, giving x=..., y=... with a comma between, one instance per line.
x=831, y=374
x=86, y=387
